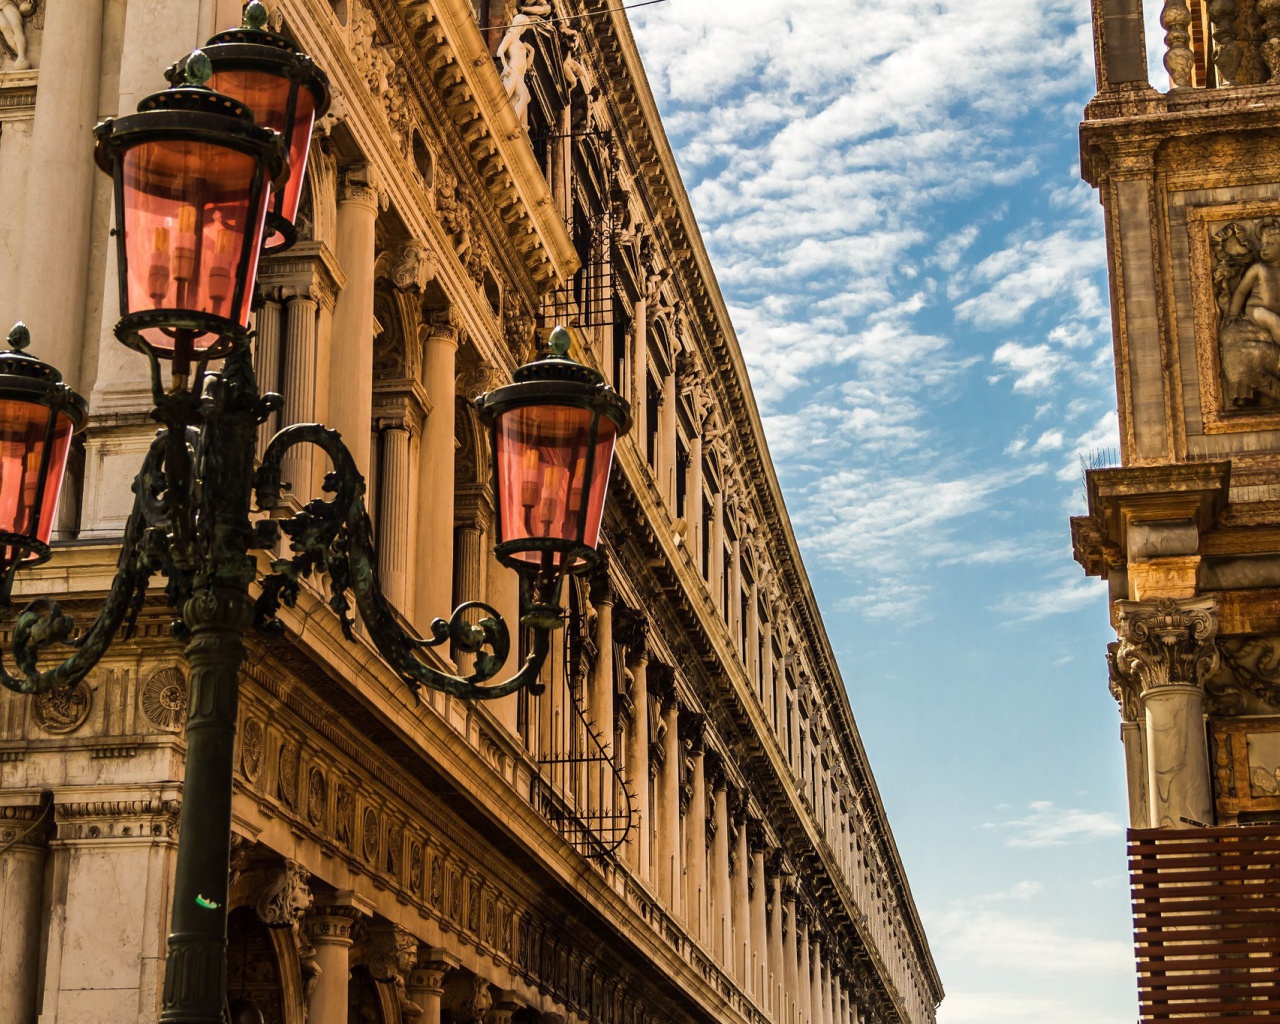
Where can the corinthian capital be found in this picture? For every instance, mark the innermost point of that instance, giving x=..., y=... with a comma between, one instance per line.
x=1167, y=642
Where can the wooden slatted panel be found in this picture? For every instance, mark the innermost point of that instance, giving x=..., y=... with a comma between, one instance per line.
x=1206, y=916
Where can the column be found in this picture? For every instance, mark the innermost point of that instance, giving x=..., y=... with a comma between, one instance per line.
x=715, y=574
x=833, y=991
x=394, y=510
x=804, y=983
x=768, y=683
x=693, y=503
x=58, y=197
x=752, y=658
x=425, y=984
x=24, y=833
x=640, y=383
x=600, y=686
x=789, y=1006
x=775, y=972
x=734, y=611
x=351, y=359
x=468, y=555
x=329, y=925
x=741, y=888
x=433, y=587
x=670, y=882
x=638, y=757
x=693, y=727
x=720, y=895
x=759, y=960
x=299, y=468
x=266, y=359
x=667, y=441
x=1167, y=648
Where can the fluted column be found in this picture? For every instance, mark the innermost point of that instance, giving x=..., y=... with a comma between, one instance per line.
x=693, y=729
x=693, y=503
x=667, y=441
x=57, y=201
x=394, y=511
x=759, y=959
x=425, y=984
x=433, y=587
x=24, y=835
x=670, y=882
x=266, y=358
x=601, y=685
x=638, y=747
x=299, y=390
x=740, y=887
x=640, y=382
x=734, y=611
x=1167, y=647
x=752, y=658
x=775, y=972
x=720, y=896
x=329, y=926
x=804, y=986
x=789, y=1007
x=351, y=358
x=715, y=574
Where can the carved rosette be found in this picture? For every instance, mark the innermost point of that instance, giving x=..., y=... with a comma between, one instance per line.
x=164, y=698
x=64, y=709
x=251, y=747
x=1167, y=642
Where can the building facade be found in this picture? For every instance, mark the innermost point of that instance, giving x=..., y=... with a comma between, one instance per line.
x=683, y=826
x=1185, y=530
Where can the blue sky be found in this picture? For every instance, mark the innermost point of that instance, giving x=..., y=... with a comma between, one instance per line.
x=891, y=199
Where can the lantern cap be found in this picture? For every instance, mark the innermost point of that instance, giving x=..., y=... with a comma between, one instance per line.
x=189, y=92
x=555, y=378
x=252, y=45
x=22, y=375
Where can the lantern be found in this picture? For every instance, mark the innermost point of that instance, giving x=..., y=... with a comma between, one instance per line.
x=192, y=178
x=38, y=415
x=553, y=434
x=284, y=90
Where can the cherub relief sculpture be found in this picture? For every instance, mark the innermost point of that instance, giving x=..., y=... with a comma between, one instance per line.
x=13, y=31
x=1246, y=285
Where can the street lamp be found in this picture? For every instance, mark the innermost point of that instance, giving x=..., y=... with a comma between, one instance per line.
x=193, y=174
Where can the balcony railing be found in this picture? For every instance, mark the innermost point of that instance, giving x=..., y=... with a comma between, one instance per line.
x=1215, y=43
x=1206, y=911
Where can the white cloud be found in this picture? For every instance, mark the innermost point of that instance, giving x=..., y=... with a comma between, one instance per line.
x=1046, y=824
x=1069, y=591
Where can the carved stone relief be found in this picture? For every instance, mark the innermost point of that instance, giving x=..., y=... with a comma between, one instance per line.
x=1166, y=642
x=290, y=766
x=63, y=710
x=251, y=748
x=1248, y=676
x=317, y=797
x=18, y=19
x=1246, y=287
x=285, y=895
x=164, y=698
x=370, y=826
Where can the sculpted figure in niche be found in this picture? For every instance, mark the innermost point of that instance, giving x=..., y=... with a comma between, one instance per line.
x=1246, y=282
x=517, y=57
x=14, y=32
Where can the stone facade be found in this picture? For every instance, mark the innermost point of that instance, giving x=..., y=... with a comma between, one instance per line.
x=1185, y=529
x=683, y=826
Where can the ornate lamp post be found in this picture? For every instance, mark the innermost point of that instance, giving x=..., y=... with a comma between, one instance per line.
x=193, y=177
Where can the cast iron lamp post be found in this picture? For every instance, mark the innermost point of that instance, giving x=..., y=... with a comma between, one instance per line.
x=194, y=183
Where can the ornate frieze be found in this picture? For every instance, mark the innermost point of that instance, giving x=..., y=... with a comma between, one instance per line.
x=24, y=825
x=151, y=817
x=1167, y=642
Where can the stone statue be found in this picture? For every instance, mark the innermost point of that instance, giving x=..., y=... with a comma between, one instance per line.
x=1246, y=282
x=517, y=58
x=14, y=32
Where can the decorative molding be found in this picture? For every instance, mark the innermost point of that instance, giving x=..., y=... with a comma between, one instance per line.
x=164, y=698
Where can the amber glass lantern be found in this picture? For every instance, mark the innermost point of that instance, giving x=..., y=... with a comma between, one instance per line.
x=284, y=90
x=553, y=433
x=193, y=176
x=38, y=416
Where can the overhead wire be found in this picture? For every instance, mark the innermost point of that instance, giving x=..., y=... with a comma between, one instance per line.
x=579, y=17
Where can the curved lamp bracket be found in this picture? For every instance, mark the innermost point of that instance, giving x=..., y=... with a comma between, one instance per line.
x=334, y=535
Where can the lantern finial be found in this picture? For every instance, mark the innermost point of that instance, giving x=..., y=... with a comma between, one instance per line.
x=255, y=15
x=19, y=337
x=198, y=69
x=559, y=341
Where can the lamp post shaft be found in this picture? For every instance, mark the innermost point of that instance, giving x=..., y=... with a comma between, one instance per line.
x=195, y=969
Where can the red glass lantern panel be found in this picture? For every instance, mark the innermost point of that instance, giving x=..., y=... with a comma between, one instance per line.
x=267, y=95
x=189, y=212
x=24, y=430
x=542, y=455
